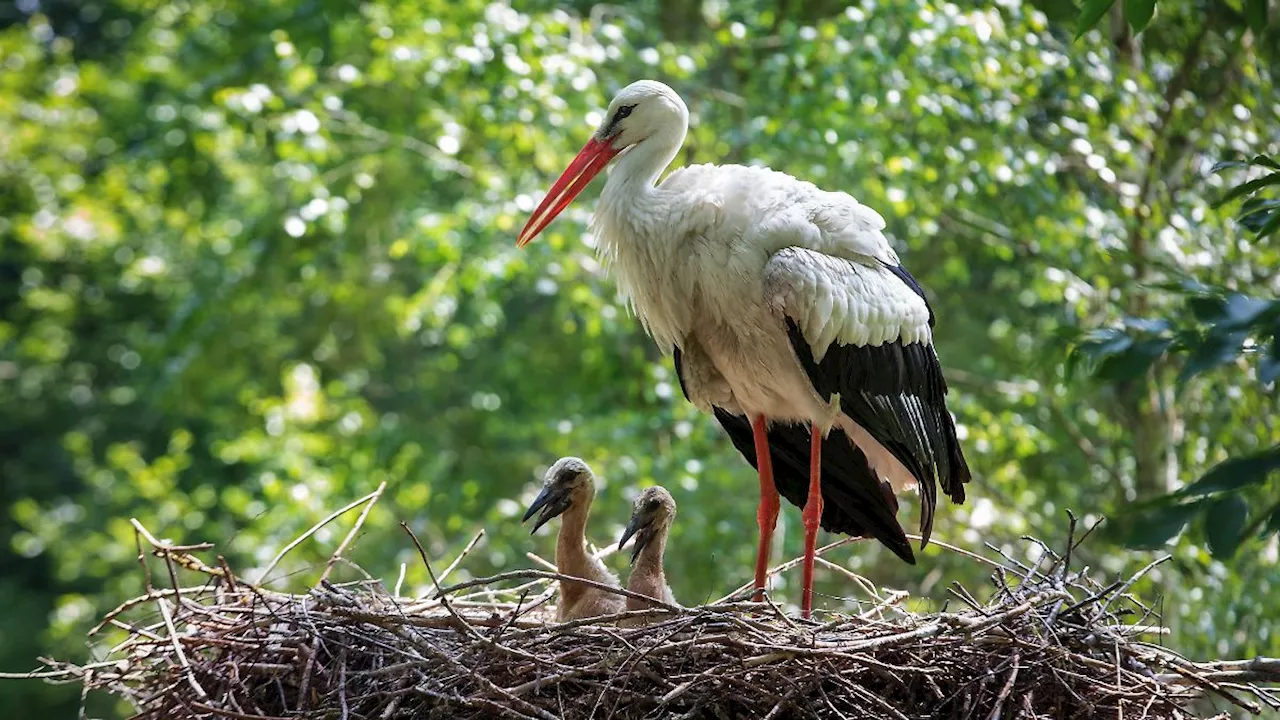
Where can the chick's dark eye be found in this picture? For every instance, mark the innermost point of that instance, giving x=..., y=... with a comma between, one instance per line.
x=653, y=504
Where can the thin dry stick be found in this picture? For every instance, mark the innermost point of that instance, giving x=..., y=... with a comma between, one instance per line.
x=1136, y=577
x=1004, y=691
x=862, y=582
x=399, y=581
x=547, y=575
x=333, y=559
x=541, y=561
x=168, y=619
x=444, y=601
x=313, y=530
x=465, y=551
x=779, y=569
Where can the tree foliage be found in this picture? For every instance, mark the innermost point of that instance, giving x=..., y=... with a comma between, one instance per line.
x=1213, y=327
x=256, y=257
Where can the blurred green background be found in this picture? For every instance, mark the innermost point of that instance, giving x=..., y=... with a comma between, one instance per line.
x=258, y=256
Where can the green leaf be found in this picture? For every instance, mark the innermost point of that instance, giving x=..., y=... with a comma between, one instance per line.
x=1090, y=13
x=1153, y=528
x=1269, y=363
x=1242, y=311
x=1138, y=13
x=1186, y=286
x=1256, y=212
x=1249, y=187
x=1157, y=325
x=1215, y=350
x=1260, y=160
x=1107, y=341
x=1235, y=473
x=1271, y=226
x=1206, y=308
x=1224, y=524
x=1268, y=370
x=1255, y=12
x=1134, y=361
x=1273, y=523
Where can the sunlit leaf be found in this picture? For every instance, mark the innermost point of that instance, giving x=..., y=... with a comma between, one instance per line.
x=1260, y=160
x=1249, y=187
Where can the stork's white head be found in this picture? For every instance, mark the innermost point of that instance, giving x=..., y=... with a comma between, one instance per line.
x=642, y=110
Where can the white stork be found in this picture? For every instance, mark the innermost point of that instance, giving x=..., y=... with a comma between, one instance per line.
x=788, y=314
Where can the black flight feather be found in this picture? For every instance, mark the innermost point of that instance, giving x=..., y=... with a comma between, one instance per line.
x=896, y=392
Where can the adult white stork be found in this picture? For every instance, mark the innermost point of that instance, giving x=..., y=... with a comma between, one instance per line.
x=789, y=317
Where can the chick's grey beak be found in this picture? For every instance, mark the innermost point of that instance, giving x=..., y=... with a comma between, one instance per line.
x=638, y=527
x=551, y=502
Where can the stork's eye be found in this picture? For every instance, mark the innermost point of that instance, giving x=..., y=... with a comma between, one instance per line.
x=623, y=112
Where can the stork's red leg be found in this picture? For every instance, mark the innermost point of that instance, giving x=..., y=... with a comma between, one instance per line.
x=767, y=512
x=812, y=516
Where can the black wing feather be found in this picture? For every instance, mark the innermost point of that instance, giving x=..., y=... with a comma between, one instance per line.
x=896, y=392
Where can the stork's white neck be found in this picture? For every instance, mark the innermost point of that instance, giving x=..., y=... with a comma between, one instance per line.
x=635, y=172
x=634, y=234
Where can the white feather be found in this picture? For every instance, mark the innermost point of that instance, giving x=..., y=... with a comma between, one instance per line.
x=874, y=306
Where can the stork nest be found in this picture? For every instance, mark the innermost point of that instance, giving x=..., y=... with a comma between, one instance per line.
x=1050, y=643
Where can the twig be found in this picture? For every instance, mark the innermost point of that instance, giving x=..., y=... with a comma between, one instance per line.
x=395, y=592
x=444, y=601
x=1004, y=691
x=1136, y=577
x=187, y=673
x=543, y=574
x=465, y=551
x=779, y=569
x=313, y=530
x=333, y=559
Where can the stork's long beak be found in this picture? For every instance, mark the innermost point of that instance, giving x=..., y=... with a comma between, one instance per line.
x=589, y=162
x=639, y=527
x=552, y=501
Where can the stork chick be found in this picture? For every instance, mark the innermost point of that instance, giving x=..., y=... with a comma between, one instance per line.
x=651, y=517
x=567, y=491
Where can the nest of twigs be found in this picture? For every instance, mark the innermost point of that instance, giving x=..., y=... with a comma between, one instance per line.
x=1050, y=643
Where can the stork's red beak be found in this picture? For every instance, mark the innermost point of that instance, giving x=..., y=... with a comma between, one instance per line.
x=590, y=161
